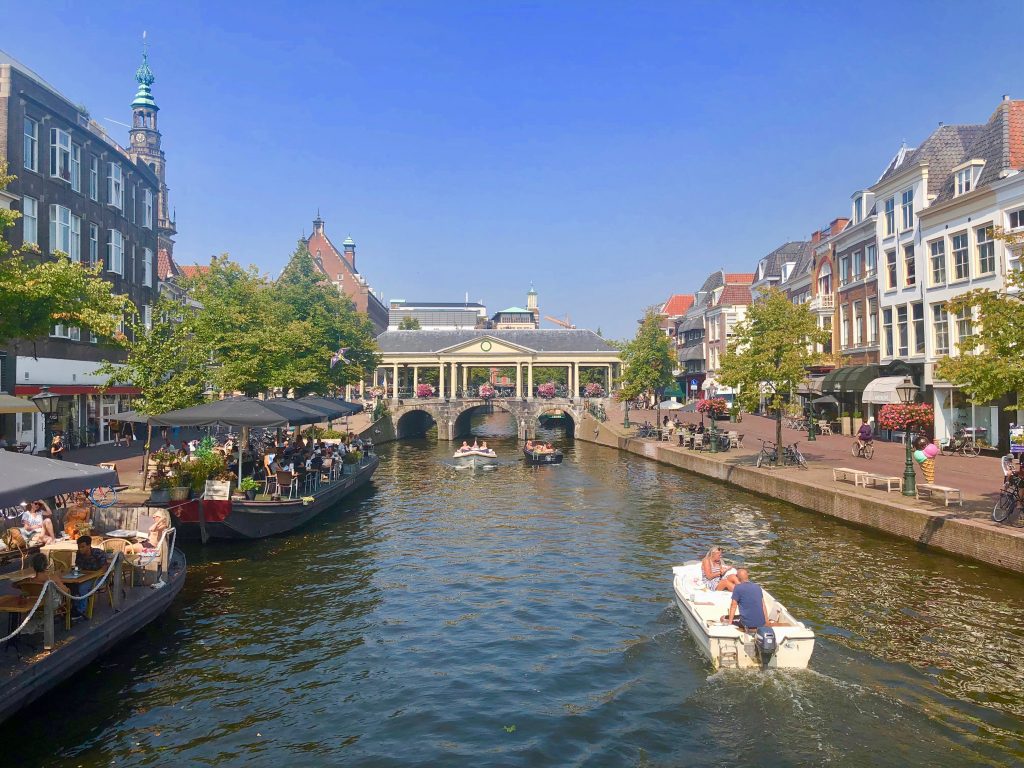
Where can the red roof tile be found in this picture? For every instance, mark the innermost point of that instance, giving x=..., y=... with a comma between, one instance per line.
x=191, y=270
x=677, y=304
x=165, y=266
x=739, y=278
x=733, y=295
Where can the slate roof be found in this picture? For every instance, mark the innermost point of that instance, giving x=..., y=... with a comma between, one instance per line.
x=804, y=262
x=944, y=149
x=1000, y=144
x=773, y=261
x=677, y=304
x=541, y=340
x=442, y=304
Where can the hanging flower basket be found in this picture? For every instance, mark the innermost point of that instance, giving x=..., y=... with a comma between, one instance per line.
x=424, y=390
x=377, y=391
x=902, y=417
x=593, y=389
x=714, y=406
x=486, y=391
x=547, y=391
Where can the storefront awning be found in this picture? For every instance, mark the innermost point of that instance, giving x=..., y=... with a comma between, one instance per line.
x=849, y=379
x=882, y=390
x=696, y=352
x=673, y=391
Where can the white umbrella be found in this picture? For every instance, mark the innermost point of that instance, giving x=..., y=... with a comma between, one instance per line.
x=670, y=405
x=11, y=404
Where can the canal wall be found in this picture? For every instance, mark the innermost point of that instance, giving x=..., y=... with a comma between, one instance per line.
x=942, y=528
x=380, y=431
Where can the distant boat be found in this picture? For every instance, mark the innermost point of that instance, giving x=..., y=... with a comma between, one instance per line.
x=542, y=457
x=475, y=457
x=555, y=415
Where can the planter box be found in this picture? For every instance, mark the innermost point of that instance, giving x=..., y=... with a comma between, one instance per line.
x=179, y=493
x=217, y=489
x=161, y=496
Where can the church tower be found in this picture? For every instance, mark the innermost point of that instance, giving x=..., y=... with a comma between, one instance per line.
x=532, y=308
x=145, y=148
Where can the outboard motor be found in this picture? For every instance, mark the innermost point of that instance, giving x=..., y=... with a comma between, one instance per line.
x=765, y=643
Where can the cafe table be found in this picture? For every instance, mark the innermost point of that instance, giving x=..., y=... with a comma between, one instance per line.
x=15, y=605
x=81, y=577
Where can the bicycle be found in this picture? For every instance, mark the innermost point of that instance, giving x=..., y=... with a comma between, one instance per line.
x=769, y=453
x=961, y=443
x=646, y=430
x=1011, y=496
x=791, y=455
x=103, y=497
x=865, y=451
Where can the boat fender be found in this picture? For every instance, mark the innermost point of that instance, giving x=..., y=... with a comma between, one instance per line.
x=766, y=643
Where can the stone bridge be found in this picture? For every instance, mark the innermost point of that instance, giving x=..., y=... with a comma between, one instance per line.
x=413, y=417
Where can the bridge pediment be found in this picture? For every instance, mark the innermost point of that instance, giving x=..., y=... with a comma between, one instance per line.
x=485, y=346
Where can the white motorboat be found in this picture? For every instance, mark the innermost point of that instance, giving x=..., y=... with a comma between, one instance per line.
x=728, y=646
x=475, y=457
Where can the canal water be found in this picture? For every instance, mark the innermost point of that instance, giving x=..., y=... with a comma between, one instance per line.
x=523, y=617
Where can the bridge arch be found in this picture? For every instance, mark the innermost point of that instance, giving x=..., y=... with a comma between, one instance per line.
x=414, y=423
x=460, y=418
x=570, y=414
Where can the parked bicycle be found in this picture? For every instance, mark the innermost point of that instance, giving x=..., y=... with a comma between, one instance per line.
x=865, y=451
x=791, y=455
x=961, y=443
x=647, y=430
x=1011, y=497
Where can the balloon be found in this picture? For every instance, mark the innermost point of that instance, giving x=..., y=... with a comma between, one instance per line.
x=920, y=442
x=920, y=457
x=931, y=450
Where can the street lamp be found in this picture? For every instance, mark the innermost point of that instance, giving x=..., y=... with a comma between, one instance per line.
x=625, y=418
x=811, y=431
x=907, y=392
x=46, y=402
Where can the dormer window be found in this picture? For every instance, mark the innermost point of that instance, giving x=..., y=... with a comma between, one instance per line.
x=858, y=209
x=966, y=177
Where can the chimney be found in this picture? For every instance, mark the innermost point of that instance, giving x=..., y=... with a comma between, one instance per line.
x=318, y=225
x=350, y=250
x=1006, y=97
x=816, y=237
x=838, y=225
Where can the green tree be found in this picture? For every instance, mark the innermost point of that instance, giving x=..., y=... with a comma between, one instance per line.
x=770, y=352
x=990, y=362
x=36, y=293
x=648, y=360
x=409, y=323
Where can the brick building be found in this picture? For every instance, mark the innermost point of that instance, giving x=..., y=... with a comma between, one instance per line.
x=340, y=268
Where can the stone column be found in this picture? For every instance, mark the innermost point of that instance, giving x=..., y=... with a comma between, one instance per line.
x=465, y=378
x=394, y=381
x=575, y=379
x=519, y=381
x=529, y=380
x=440, y=381
x=455, y=379
x=415, y=378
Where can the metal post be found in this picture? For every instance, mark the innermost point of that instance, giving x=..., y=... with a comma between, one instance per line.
x=909, y=478
x=115, y=585
x=714, y=434
x=811, y=431
x=48, y=615
x=625, y=419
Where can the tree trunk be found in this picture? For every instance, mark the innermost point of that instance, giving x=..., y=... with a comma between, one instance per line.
x=778, y=433
x=145, y=459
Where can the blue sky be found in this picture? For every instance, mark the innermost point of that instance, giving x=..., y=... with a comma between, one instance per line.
x=609, y=153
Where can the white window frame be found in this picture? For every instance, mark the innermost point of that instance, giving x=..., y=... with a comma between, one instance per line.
x=844, y=336
x=1015, y=219
x=132, y=204
x=964, y=181
x=147, y=208
x=909, y=266
x=147, y=267
x=907, y=209
x=858, y=331
x=888, y=332
x=937, y=261
x=873, y=320
x=94, y=177
x=870, y=260
x=964, y=324
x=890, y=216
x=115, y=252
x=147, y=316
x=60, y=154
x=940, y=329
x=30, y=220
x=115, y=186
x=94, y=244
x=903, y=330
x=892, y=270
x=76, y=239
x=30, y=147
x=76, y=167
x=986, y=247
x=60, y=229
x=918, y=328
x=961, y=256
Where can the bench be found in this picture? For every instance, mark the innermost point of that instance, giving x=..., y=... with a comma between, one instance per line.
x=888, y=480
x=845, y=473
x=931, y=489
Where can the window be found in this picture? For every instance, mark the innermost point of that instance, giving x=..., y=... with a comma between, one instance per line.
x=857, y=269
x=845, y=337
x=964, y=180
x=964, y=324
x=76, y=239
x=60, y=229
x=907, y=209
x=986, y=251
x=76, y=168
x=938, y=262
x=1017, y=219
x=858, y=315
x=844, y=270
x=961, y=264
x=917, y=314
x=94, y=244
x=887, y=331
x=890, y=269
x=147, y=208
x=115, y=186
x=825, y=280
x=904, y=331
x=62, y=331
x=870, y=260
x=147, y=267
x=940, y=325
x=60, y=154
x=30, y=217
x=858, y=209
x=31, y=147
x=873, y=321
x=909, y=270
x=131, y=204
x=94, y=177
x=890, y=216
x=115, y=252
x=147, y=316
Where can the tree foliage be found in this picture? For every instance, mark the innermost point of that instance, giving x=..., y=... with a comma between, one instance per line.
x=770, y=352
x=36, y=293
x=648, y=360
x=409, y=323
x=990, y=362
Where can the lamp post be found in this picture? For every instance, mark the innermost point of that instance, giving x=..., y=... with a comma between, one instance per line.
x=625, y=410
x=46, y=402
x=811, y=431
x=907, y=392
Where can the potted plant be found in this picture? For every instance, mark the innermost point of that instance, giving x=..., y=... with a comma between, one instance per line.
x=181, y=483
x=593, y=389
x=161, y=490
x=349, y=460
x=486, y=391
x=248, y=486
x=547, y=391
x=424, y=390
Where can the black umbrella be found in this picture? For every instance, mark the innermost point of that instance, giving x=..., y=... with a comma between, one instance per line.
x=239, y=412
x=25, y=478
x=136, y=417
x=826, y=400
x=336, y=407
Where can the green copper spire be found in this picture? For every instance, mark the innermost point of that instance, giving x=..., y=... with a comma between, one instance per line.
x=144, y=77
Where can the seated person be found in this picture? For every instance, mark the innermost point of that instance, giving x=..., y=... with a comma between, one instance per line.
x=161, y=522
x=865, y=434
x=37, y=524
x=484, y=448
x=713, y=571
x=529, y=445
x=39, y=564
x=700, y=428
x=748, y=600
x=87, y=558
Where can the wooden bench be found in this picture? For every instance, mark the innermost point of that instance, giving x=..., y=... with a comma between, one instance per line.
x=845, y=473
x=888, y=480
x=931, y=489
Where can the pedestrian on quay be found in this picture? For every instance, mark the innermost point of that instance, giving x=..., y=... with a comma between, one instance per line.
x=57, y=448
x=127, y=433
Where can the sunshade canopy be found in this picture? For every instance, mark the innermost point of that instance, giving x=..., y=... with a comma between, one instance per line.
x=26, y=478
x=239, y=412
x=826, y=400
x=12, y=404
x=133, y=416
x=330, y=406
x=882, y=390
x=670, y=405
x=849, y=378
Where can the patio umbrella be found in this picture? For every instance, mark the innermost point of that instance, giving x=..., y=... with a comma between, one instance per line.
x=336, y=404
x=671, y=405
x=25, y=478
x=135, y=417
x=826, y=400
x=11, y=404
x=238, y=412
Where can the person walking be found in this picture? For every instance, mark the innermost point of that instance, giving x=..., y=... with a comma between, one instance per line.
x=127, y=433
x=57, y=448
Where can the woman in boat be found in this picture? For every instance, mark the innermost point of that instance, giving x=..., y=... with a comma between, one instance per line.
x=39, y=564
x=161, y=522
x=37, y=524
x=529, y=445
x=713, y=570
x=464, y=447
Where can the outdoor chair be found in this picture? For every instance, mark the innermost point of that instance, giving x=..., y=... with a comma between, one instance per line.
x=734, y=439
x=290, y=481
x=824, y=428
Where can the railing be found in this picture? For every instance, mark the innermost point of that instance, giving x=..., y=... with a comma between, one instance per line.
x=825, y=301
